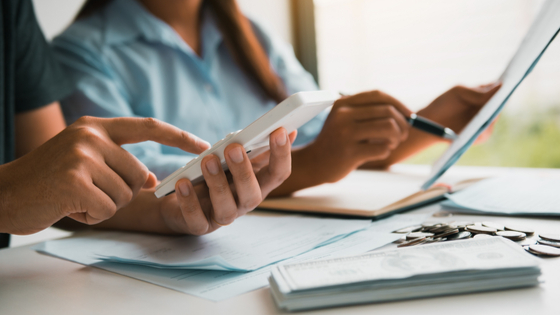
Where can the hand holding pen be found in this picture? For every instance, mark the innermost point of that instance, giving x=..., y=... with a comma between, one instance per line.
x=428, y=126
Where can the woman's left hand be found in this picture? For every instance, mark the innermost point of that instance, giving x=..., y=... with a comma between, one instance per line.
x=220, y=200
x=456, y=107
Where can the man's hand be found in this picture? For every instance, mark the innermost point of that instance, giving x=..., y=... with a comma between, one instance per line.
x=204, y=208
x=82, y=173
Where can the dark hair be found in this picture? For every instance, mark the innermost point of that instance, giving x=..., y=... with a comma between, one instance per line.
x=239, y=37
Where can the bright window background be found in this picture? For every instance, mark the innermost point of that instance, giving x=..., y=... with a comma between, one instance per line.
x=416, y=50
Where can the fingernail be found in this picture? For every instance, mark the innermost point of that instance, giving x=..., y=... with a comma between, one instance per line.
x=205, y=144
x=236, y=155
x=184, y=189
x=212, y=167
x=281, y=140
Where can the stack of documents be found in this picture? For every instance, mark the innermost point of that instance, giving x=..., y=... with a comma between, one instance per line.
x=249, y=237
x=526, y=195
x=430, y=270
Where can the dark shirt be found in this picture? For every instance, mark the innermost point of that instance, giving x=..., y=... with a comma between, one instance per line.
x=29, y=76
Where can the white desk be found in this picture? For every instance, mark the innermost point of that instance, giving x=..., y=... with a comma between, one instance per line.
x=31, y=283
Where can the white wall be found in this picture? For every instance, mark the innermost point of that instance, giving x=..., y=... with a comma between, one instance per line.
x=275, y=15
x=55, y=15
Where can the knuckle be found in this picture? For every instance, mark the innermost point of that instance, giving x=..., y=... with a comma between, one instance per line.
x=140, y=177
x=386, y=149
x=126, y=196
x=226, y=217
x=245, y=176
x=392, y=111
x=85, y=120
x=198, y=230
x=279, y=176
x=221, y=187
x=341, y=112
x=188, y=207
x=252, y=202
x=394, y=125
x=76, y=177
x=79, y=156
x=458, y=89
x=88, y=134
x=338, y=103
x=385, y=109
x=187, y=137
x=109, y=211
x=391, y=125
x=151, y=123
x=375, y=94
x=385, y=154
x=383, y=151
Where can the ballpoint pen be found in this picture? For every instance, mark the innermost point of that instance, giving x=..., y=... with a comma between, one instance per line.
x=429, y=126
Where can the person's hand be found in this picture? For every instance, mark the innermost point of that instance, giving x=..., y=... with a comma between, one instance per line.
x=217, y=202
x=82, y=173
x=456, y=107
x=360, y=128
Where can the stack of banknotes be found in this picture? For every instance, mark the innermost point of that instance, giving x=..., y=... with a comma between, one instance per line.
x=437, y=269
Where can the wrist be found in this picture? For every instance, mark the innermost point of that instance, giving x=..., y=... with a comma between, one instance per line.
x=306, y=172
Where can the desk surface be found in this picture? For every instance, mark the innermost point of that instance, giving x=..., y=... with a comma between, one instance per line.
x=31, y=283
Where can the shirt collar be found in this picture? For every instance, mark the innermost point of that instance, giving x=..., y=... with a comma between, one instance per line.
x=128, y=20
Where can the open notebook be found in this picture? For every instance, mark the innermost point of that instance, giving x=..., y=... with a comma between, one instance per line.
x=371, y=194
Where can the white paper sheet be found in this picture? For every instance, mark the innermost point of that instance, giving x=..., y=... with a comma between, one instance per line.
x=250, y=243
x=221, y=285
x=540, y=35
x=511, y=195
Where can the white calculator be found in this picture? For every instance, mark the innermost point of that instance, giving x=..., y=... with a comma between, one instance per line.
x=291, y=114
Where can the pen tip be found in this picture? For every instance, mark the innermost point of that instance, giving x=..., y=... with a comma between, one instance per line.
x=450, y=134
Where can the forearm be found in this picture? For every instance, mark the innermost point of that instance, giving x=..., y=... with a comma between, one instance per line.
x=142, y=214
x=308, y=169
x=5, y=206
x=301, y=177
x=35, y=127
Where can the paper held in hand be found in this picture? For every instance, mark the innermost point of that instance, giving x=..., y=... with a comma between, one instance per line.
x=540, y=35
x=430, y=270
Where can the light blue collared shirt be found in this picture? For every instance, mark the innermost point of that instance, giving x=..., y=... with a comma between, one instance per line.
x=127, y=62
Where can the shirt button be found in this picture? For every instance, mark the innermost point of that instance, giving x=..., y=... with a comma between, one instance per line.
x=208, y=88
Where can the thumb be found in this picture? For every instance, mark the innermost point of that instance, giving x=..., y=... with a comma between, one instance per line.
x=293, y=136
x=151, y=182
x=480, y=95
